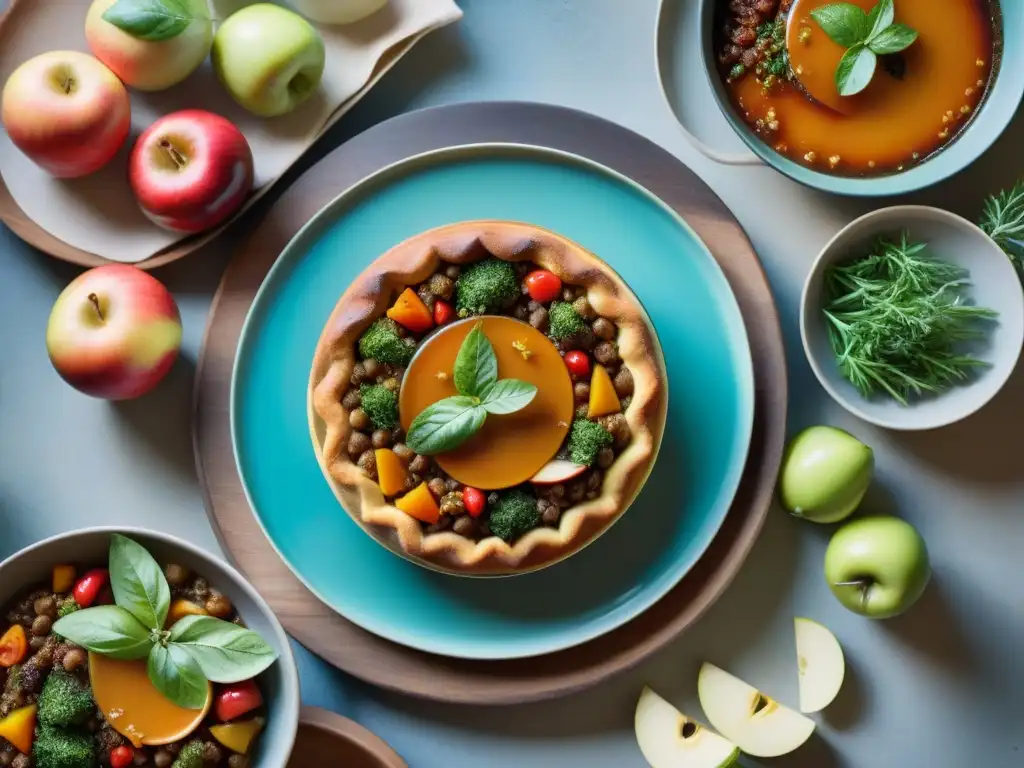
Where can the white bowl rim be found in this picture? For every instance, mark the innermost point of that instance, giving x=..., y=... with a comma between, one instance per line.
x=814, y=273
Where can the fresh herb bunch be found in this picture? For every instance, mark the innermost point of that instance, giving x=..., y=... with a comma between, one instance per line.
x=183, y=659
x=895, y=317
x=774, y=64
x=448, y=423
x=866, y=36
x=1003, y=221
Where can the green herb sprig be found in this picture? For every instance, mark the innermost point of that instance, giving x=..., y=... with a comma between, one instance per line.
x=153, y=20
x=1003, y=220
x=895, y=318
x=866, y=36
x=182, y=660
x=450, y=422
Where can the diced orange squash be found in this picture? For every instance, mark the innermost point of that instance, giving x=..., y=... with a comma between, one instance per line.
x=63, y=578
x=238, y=737
x=410, y=312
x=420, y=503
x=19, y=728
x=603, y=398
x=390, y=472
x=181, y=608
x=13, y=646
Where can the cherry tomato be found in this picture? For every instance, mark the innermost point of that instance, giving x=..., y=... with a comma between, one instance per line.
x=236, y=699
x=443, y=312
x=543, y=286
x=578, y=364
x=121, y=757
x=13, y=646
x=474, y=501
x=88, y=587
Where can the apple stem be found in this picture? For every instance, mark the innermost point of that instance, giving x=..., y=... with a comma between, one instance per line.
x=176, y=157
x=96, y=303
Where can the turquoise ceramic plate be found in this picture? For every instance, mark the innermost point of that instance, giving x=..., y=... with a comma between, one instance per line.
x=654, y=544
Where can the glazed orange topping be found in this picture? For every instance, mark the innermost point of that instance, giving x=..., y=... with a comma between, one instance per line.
x=134, y=707
x=893, y=122
x=510, y=449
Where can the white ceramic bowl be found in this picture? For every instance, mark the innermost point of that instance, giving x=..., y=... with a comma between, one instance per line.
x=280, y=683
x=994, y=284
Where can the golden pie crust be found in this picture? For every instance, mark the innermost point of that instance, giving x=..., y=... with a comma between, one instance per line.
x=412, y=262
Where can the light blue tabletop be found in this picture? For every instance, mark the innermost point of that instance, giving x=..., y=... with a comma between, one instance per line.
x=941, y=687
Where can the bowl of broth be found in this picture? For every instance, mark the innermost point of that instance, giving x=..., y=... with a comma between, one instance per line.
x=868, y=97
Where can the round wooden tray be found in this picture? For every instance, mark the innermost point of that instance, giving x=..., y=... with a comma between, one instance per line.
x=325, y=738
x=487, y=682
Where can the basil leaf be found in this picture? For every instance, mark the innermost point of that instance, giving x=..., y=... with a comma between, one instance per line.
x=138, y=582
x=881, y=16
x=476, y=366
x=227, y=653
x=855, y=70
x=845, y=23
x=178, y=676
x=893, y=39
x=108, y=630
x=445, y=425
x=152, y=20
x=508, y=396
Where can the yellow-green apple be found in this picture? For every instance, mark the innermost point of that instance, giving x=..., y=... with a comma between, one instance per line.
x=114, y=332
x=877, y=566
x=669, y=739
x=821, y=665
x=269, y=58
x=190, y=170
x=150, y=44
x=67, y=112
x=825, y=474
x=757, y=724
x=337, y=11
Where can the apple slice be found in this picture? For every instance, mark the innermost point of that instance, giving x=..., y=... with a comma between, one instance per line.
x=670, y=739
x=558, y=471
x=760, y=726
x=820, y=663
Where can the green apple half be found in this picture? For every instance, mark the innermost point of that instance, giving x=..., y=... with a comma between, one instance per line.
x=670, y=739
x=820, y=665
x=758, y=725
x=825, y=474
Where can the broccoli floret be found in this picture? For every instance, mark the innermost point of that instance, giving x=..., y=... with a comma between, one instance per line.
x=67, y=605
x=486, y=286
x=59, y=748
x=514, y=514
x=586, y=440
x=65, y=700
x=382, y=342
x=564, y=321
x=380, y=404
x=191, y=756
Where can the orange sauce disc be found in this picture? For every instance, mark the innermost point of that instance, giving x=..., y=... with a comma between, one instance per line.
x=509, y=449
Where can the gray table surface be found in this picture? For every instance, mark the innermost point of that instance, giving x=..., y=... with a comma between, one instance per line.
x=942, y=686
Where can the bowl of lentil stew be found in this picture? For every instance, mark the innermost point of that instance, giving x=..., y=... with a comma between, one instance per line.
x=32, y=601
x=531, y=488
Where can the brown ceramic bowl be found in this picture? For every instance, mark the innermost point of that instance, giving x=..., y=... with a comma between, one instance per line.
x=325, y=738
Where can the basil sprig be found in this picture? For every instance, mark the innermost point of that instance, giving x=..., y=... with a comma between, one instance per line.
x=181, y=660
x=866, y=36
x=450, y=422
x=152, y=20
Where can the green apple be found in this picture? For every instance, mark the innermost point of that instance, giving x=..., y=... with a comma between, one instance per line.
x=825, y=474
x=820, y=664
x=877, y=566
x=269, y=58
x=757, y=724
x=670, y=739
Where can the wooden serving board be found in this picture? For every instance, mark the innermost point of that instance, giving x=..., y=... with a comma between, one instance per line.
x=399, y=668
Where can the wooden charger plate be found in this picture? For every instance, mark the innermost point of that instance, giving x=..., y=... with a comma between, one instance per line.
x=325, y=738
x=399, y=668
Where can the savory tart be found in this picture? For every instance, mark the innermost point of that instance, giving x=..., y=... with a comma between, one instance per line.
x=487, y=398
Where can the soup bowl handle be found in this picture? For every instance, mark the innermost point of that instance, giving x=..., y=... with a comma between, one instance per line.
x=745, y=157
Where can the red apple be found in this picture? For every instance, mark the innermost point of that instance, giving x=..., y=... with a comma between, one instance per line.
x=67, y=112
x=558, y=471
x=190, y=170
x=114, y=332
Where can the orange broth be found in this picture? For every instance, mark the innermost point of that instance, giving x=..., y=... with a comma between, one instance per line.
x=894, y=122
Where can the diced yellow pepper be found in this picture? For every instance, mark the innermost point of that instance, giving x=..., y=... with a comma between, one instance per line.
x=19, y=728
x=420, y=503
x=239, y=736
x=63, y=578
x=390, y=472
x=604, y=401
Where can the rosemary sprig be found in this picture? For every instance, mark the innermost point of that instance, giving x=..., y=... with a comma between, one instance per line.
x=1003, y=220
x=895, y=318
